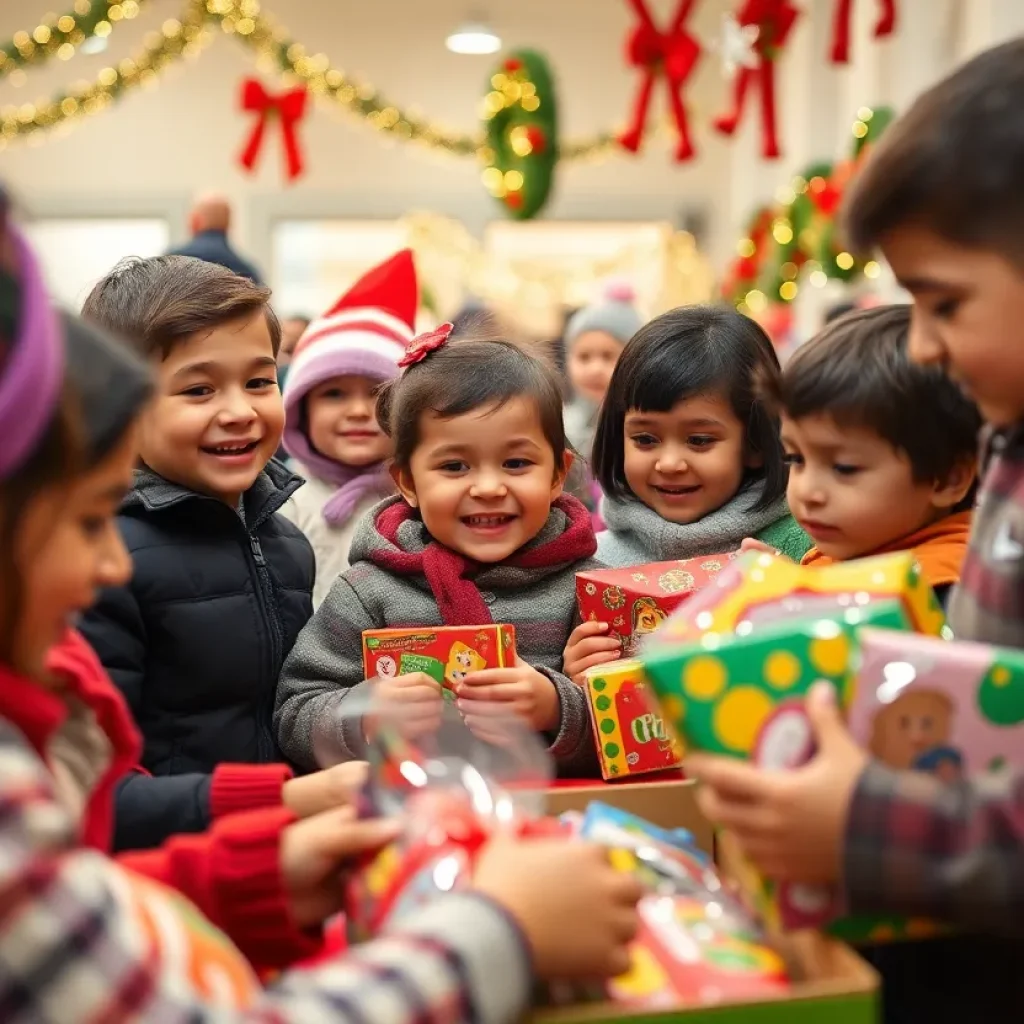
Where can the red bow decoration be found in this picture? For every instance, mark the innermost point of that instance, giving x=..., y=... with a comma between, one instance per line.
x=290, y=107
x=420, y=347
x=673, y=53
x=774, y=20
x=885, y=26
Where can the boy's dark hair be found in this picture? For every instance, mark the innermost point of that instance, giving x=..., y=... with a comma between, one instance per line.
x=838, y=310
x=858, y=372
x=691, y=351
x=154, y=304
x=953, y=163
x=470, y=371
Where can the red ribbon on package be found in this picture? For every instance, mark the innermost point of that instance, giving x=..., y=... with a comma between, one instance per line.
x=289, y=107
x=885, y=26
x=774, y=20
x=674, y=54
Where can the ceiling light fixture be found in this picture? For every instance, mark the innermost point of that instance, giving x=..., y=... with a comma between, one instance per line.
x=473, y=37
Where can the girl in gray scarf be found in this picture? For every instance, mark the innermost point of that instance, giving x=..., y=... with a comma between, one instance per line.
x=686, y=453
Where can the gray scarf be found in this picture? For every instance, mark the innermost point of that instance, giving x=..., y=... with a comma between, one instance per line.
x=637, y=534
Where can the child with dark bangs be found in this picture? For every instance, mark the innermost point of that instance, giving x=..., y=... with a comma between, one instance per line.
x=480, y=532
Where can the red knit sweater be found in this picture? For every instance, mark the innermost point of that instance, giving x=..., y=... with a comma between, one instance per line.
x=232, y=873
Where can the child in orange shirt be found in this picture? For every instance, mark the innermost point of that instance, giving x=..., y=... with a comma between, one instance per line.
x=882, y=452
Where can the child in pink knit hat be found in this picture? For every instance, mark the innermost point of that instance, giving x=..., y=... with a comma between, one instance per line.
x=331, y=428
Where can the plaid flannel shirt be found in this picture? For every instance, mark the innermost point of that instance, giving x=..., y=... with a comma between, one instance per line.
x=83, y=939
x=914, y=845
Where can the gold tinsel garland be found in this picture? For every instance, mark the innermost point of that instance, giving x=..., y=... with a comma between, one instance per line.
x=61, y=35
x=245, y=20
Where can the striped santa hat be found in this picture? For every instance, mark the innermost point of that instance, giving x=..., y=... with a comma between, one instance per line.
x=365, y=333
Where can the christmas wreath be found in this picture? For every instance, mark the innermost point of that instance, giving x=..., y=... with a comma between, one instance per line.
x=797, y=236
x=521, y=123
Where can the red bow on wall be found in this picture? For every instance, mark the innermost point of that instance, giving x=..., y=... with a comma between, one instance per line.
x=673, y=53
x=885, y=26
x=289, y=107
x=774, y=20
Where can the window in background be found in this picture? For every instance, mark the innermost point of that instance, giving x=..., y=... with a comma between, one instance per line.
x=77, y=252
x=550, y=265
x=314, y=261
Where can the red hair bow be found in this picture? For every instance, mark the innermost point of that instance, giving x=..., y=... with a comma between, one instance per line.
x=421, y=346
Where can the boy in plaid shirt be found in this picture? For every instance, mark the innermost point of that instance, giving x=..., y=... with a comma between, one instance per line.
x=943, y=198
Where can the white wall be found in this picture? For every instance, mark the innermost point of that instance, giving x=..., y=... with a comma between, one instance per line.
x=153, y=150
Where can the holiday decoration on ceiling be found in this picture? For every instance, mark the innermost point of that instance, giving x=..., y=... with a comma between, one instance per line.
x=774, y=20
x=288, y=108
x=521, y=120
x=885, y=26
x=796, y=236
x=674, y=54
x=517, y=140
x=60, y=36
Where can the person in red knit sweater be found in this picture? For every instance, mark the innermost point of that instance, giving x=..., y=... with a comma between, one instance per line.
x=86, y=937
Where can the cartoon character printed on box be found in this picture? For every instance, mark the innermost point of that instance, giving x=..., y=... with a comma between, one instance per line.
x=914, y=732
x=462, y=660
x=647, y=617
x=387, y=667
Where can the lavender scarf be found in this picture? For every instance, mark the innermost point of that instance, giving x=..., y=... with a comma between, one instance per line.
x=353, y=485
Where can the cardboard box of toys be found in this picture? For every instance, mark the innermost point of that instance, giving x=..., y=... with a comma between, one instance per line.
x=757, y=589
x=932, y=705
x=631, y=735
x=699, y=956
x=445, y=653
x=636, y=601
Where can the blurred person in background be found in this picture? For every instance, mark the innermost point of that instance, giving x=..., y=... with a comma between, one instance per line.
x=592, y=343
x=209, y=222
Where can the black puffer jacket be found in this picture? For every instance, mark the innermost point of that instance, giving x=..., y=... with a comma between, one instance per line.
x=196, y=640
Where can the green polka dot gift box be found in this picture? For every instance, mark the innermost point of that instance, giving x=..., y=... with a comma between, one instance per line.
x=629, y=730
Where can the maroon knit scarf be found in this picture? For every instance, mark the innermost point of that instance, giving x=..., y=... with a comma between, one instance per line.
x=448, y=573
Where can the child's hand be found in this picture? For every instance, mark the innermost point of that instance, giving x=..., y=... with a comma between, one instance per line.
x=487, y=698
x=316, y=849
x=589, y=646
x=791, y=823
x=334, y=787
x=413, y=702
x=577, y=912
x=752, y=544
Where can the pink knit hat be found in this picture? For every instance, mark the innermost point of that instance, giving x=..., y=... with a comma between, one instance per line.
x=365, y=333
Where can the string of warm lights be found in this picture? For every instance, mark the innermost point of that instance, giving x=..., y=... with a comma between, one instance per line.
x=796, y=237
x=244, y=20
x=60, y=35
x=177, y=38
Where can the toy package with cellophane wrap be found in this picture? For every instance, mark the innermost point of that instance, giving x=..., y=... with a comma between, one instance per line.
x=697, y=942
x=454, y=793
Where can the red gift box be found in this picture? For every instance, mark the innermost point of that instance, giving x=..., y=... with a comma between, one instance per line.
x=636, y=601
x=445, y=653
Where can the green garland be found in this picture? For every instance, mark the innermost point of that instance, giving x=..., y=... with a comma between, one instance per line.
x=798, y=235
x=521, y=123
x=61, y=36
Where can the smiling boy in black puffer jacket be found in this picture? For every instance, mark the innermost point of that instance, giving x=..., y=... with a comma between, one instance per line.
x=222, y=584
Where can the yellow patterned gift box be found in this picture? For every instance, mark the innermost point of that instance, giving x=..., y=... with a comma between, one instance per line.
x=630, y=732
x=759, y=590
x=739, y=690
